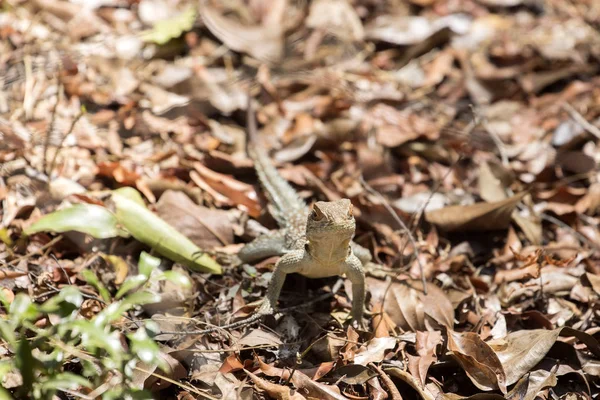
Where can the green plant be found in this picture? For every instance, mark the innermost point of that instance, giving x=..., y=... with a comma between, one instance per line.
x=53, y=348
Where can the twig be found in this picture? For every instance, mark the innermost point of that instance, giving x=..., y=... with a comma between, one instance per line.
x=402, y=225
x=388, y=382
x=558, y=222
x=497, y=141
x=257, y=317
x=581, y=120
x=62, y=140
x=41, y=249
x=49, y=129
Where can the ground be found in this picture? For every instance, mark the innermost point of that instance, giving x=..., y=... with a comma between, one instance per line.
x=465, y=133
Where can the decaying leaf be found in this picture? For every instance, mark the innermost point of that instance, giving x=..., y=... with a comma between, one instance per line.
x=520, y=351
x=409, y=308
x=478, y=360
x=475, y=217
x=263, y=42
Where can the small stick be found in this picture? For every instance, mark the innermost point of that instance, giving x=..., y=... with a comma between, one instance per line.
x=402, y=225
x=581, y=120
x=49, y=172
x=257, y=316
x=49, y=130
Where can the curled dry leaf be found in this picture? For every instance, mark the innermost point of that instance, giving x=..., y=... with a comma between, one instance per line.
x=425, y=345
x=531, y=384
x=352, y=374
x=264, y=43
x=408, y=30
x=478, y=360
x=374, y=350
x=258, y=337
x=475, y=217
x=303, y=383
x=238, y=192
x=337, y=17
x=278, y=392
x=409, y=308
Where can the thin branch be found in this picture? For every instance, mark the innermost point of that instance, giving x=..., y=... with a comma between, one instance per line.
x=49, y=129
x=62, y=141
x=580, y=119
x=257, y=317
x=394, y=215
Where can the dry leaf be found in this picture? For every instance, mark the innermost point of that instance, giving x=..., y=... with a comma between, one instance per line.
x=265, y=42
x=475, y=217
x=521, y=350
x=275, y=391
x=478, y=360
x=409, y=308
x=207, y=228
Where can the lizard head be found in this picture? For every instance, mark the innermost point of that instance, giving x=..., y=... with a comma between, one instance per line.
x=331, y=220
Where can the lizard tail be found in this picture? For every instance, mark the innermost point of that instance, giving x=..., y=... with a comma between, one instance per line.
x=279, y=192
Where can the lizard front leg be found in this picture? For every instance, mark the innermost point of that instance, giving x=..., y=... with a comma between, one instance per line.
x=354, y=271
x=264, y=246
x=294, y=261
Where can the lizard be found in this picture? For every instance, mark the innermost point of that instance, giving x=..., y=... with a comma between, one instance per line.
x=315, y=243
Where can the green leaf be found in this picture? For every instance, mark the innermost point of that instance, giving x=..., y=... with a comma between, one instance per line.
x=5, y=237
x=65, y=303
x=147, y=264
x=94, y=335
x=130, y=283
x=22, y=309
x=91, y=278
x=65, y=380
x=7, y=333
x=4, y=395
x=171, y=28
x=94, y=220
x=25, y=362
x=177, y=278
x=141, y=298
x=143, y=347
x=115, y=310
x=150, y=229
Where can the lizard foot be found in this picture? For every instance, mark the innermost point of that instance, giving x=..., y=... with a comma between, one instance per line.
x=361, y=324
x=265, y=309
x=229, y=259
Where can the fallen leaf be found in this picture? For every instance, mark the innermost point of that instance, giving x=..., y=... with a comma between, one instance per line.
x=475, y=217
x=409, y=308
x=352, y=374
x=521, y=350
x=205, y=227
x=96, y=221
x=278, y=392
x=264, y=42
x=374, y=350
x=478, y=359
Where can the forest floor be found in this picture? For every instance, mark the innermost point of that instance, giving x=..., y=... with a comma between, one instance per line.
x=465, y=133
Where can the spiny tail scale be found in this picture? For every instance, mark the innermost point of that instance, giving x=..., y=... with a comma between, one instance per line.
x=279, y=192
